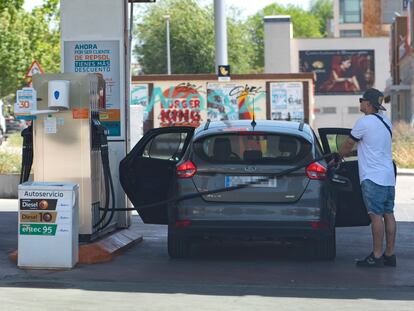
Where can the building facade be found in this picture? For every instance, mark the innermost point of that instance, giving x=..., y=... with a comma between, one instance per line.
x=364, y=18
x=400, y=87
x=343, y=68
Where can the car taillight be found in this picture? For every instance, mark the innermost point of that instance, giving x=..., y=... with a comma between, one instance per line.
x=319, y=225
x=316, y=171
x=186, y=170
x=182, y=223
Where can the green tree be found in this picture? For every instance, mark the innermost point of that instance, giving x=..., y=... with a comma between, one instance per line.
x=191, y=39
x=14, y=48
x=26, y=37
x=7, y=4
x=305, y=25
x=43, y=27
x=323, y=9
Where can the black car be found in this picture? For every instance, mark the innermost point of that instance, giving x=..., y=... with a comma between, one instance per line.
x=308, y=203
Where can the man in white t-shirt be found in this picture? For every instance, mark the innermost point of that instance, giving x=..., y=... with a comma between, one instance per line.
x=373, y=136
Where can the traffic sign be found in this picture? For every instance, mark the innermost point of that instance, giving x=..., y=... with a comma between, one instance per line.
x=34, y=69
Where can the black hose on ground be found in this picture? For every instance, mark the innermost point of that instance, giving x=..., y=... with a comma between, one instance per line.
x=241, y=186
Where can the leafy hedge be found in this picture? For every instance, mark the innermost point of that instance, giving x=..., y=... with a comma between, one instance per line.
x=10, y=154
x=10, y=162
x=403, y=145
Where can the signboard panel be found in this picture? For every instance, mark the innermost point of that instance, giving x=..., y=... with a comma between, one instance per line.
x=339, y=71
x=34, y=68
x=286, y=101
x=26, y=102
x=99, y=57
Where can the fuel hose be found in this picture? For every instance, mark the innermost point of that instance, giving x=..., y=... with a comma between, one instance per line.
x=102, y=132
x=240, y=186
x=27, y=153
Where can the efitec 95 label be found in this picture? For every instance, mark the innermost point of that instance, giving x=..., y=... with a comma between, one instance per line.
x=38, y=229
x=38, y=204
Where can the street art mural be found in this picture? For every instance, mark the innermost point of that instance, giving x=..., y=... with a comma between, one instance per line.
x=190, y=103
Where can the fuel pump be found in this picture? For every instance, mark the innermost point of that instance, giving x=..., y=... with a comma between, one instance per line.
x=68, y=143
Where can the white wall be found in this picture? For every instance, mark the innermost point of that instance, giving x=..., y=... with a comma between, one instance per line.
x=277, y=46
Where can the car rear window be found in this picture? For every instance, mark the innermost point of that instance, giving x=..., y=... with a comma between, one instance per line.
x=260, y=148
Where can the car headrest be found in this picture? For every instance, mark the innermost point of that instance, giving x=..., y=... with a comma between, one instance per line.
x=287, y=144
x=221, y=149
x=252, y=155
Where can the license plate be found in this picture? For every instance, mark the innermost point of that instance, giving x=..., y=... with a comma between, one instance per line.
x=231, y=181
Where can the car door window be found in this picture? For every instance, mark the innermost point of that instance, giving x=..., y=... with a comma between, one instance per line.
x=335, y=141
x=167, y=146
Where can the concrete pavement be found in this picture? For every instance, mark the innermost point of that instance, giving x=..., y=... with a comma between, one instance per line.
x=220, y=276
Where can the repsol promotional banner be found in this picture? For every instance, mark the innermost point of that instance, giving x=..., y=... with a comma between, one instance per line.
x=99, y=57
x=339, y=71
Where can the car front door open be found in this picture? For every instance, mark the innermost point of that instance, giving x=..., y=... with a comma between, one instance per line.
x=344, y=181
x=146, y=172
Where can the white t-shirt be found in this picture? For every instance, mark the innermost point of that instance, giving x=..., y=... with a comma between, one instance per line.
x=374, y=150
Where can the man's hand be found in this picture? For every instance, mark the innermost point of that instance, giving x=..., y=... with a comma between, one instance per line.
x=336, y=160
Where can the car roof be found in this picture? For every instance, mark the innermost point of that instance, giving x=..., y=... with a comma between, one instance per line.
x=269, y=126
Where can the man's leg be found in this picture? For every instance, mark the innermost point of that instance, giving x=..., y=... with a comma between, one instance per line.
x=390, y=231
x=377, y=228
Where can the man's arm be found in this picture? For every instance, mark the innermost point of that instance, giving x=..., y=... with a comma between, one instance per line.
x=346, y=147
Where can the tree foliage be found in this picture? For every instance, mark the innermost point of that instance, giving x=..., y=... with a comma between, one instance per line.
x=323, y=10
x=27, y=36
x=305, y=25
x=191, y=39
x=11, y=4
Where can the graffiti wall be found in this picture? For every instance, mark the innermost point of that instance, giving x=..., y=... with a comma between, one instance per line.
x=192, y=102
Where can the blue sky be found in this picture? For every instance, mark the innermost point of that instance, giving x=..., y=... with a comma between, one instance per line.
x=248, y=7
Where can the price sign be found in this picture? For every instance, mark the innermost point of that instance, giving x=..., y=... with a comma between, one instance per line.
x=26, y=102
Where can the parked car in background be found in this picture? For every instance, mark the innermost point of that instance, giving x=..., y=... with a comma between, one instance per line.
x=306, y=204
x=14, y=125
x=2, y=122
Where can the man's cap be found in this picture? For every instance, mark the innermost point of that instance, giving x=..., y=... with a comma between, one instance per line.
x=375, y=97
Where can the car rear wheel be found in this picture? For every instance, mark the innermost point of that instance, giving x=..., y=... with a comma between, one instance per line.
x=178, y=246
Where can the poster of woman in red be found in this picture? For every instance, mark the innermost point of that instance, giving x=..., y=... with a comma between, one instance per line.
x=340, y=71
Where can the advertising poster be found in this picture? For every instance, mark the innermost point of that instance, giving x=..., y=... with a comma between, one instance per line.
x=232, y=101
x=99, y=57
x=286, y=101
x=339, y=71
x=181, y=105
x=220, y=104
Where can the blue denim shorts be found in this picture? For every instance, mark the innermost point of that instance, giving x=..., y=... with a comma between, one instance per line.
x=379, y=200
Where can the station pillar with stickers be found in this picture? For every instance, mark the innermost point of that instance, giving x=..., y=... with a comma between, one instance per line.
x=70, y=146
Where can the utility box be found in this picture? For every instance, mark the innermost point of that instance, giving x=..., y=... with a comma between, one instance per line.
x=48, y=225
